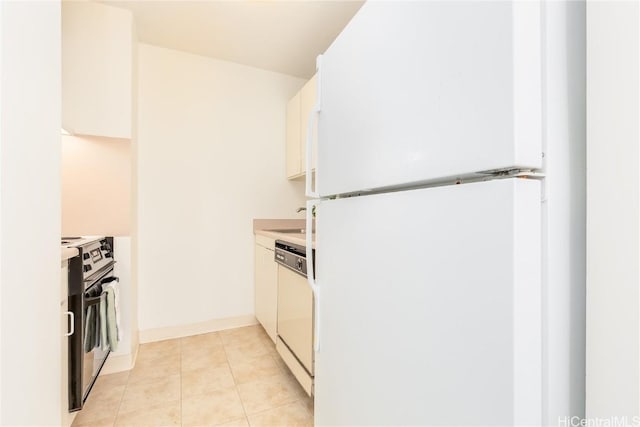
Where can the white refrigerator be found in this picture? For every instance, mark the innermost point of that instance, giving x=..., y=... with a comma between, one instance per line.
x=449, y=200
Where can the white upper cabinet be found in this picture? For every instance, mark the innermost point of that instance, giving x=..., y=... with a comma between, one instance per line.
x=307, y=102
x=294, y=165
x=97, y=69
x=420, y=91
x=298, y=110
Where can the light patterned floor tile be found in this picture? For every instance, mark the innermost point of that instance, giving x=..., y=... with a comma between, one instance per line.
x=271, y=346
x=308, y=402
x=100, y=414
x=209, y=340
x=151, y=393
x=291, y=415
x=158, y=350
x=246, y=350
x=280, y=363
x=202, y=381
x=145, y=371
x=243, y=335
x=112, y=380
x=105, y=422
x=204, y=358
x=101, y=406
x=245, y=370
x=214, y=379
x=101, y=393
x=235, y=423
x=216, y=407
x=165, y=414
x=269, y=393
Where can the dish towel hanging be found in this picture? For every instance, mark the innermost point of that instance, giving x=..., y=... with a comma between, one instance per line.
x=109, y=318
x=92, y=319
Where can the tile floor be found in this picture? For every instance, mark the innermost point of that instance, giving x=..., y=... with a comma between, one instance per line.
x=228, y=378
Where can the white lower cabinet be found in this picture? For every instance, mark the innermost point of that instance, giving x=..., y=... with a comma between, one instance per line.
x=266, y=285
x=65, y=417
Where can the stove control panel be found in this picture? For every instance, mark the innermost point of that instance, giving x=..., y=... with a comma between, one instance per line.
x=95, y=256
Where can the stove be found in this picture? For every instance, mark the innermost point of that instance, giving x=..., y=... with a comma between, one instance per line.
x=96, y=253
x=88, y=272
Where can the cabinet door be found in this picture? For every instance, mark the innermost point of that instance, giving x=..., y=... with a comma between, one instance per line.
x=307, y=101
x=294, y=165
x=64, y=345
x=97, y=69
x=266, y=303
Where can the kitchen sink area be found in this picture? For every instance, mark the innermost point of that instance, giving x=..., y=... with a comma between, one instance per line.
x=297, y=233
x=290, y=230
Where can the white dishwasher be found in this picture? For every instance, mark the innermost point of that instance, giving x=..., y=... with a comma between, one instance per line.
x=295, y=313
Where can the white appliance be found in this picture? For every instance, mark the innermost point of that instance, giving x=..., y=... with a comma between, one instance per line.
x=450, y=215
x=294, y=342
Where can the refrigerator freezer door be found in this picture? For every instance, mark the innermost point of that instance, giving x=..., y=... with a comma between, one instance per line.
x=420, y=91
x=430, y=308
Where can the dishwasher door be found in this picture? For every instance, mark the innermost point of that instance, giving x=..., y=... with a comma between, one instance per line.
x=295, y=315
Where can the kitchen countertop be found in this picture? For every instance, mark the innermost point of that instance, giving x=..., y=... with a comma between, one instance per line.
x=67, y=253
x=268, y=227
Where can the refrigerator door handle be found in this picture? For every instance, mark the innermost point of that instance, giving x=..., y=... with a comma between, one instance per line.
x=311, y=274
x=313, y=114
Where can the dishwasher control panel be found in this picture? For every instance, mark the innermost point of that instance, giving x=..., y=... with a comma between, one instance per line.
x=291, y=256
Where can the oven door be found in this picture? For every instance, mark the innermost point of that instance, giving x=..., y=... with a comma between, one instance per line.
x=93, y=356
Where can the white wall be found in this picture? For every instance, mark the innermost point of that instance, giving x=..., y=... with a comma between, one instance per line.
x=30, y=362
x=122, y=270
x=211, y=157
x=613, y=209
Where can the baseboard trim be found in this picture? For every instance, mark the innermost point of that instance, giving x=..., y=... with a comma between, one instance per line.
x=214, y=325
x=117, y=363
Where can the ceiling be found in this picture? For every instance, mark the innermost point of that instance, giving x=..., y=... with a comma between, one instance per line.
x=281, y=36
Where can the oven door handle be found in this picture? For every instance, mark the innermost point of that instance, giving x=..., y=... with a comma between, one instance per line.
x=71, y=321
x=98, y=275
